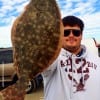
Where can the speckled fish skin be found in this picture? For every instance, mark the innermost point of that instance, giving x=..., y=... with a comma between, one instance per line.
x=36, y=40
x=36, y=36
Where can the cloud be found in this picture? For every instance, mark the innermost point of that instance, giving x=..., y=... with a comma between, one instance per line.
x=8, y=13
x=10, y=9
x=87, y=10
x=5, y=36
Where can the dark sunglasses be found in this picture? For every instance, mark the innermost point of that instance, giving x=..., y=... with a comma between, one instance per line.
x=75, y=32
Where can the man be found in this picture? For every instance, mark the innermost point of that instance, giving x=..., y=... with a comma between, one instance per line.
x=74, y=75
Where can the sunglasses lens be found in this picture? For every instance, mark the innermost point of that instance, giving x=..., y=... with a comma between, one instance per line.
x=66, y=32
x=74, y=32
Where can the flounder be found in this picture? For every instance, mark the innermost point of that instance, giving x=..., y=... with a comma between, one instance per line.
x=36, y=40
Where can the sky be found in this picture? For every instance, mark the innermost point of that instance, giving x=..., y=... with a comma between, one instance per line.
x=87, y=10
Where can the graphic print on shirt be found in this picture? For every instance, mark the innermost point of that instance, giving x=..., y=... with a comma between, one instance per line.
x=82, y=69
x=79, y=86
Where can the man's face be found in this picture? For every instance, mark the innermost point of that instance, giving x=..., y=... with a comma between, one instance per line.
x=72, y=38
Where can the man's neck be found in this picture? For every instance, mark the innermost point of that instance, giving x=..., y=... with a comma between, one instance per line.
x=75, y=50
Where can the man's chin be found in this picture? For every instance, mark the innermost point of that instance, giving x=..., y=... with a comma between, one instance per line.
x=72, y=48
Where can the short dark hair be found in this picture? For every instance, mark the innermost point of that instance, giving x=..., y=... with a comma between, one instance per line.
x=72, y=21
